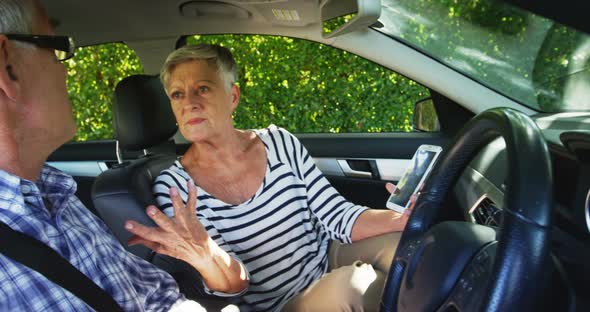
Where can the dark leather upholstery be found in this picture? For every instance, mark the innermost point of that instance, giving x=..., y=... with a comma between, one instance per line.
x=123, y=193
x=142, y=114
x=143, y=119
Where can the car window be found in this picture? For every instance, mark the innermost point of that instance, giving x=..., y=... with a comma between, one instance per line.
x=529, y=58
x=308, y=87
x=92, y=76
x=304, y=86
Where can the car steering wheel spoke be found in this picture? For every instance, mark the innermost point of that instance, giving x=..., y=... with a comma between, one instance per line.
x=472, y=284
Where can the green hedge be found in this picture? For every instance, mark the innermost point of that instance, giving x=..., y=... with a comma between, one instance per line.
x=308, y=87
x=92, y=76
x=300, y=85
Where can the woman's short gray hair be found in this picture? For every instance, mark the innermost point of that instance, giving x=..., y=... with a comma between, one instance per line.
x=215, y=55
x=17, y=16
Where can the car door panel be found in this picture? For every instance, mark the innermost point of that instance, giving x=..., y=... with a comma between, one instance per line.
x=84, y=161
x=359, y=165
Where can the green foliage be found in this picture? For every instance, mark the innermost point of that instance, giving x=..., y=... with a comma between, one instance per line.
x=335, y=23
x=92, y=76
x=308, y=87
x=300, y=85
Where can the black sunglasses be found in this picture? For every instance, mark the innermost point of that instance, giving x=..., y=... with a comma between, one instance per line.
x=63, y=46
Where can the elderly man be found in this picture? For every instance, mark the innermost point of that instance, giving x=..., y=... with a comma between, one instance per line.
x=39, y=201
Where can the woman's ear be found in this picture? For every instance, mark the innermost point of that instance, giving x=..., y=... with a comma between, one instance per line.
x=8, y=77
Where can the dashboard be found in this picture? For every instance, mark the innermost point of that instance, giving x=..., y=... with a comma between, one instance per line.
x=481, y=189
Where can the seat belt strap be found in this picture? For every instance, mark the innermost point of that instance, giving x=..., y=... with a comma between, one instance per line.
x=46, y=261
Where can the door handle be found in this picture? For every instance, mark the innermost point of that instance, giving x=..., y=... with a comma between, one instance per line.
x=349, y=172
x=363, y=168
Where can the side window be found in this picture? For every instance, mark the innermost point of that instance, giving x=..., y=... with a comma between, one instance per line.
x=309, y=87
x=92, y=76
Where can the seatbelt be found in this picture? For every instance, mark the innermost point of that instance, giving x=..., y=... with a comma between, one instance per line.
x=46, y=261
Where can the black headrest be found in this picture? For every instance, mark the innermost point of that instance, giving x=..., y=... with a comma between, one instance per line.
x=142, y=114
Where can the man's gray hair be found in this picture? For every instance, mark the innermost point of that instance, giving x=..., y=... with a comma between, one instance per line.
x=17, y=16
x=215, y=55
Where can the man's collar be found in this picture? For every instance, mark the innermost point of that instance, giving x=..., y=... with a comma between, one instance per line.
x=9, y=185
x=51, y=181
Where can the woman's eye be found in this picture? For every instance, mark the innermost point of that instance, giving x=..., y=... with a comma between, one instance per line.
x=175, y=95
x=203, y=89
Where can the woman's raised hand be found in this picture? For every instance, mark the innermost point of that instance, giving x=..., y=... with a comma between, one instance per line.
x=182, y=237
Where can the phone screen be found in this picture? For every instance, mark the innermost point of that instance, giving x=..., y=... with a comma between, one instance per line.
x=414, y=174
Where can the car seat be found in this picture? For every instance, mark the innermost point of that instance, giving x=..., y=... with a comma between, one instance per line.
x=143, y=121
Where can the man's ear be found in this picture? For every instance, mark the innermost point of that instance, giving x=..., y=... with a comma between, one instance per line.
x=8, y=77
x=235, y=96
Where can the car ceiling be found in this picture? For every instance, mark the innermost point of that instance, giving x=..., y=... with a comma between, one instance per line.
x=93, y=22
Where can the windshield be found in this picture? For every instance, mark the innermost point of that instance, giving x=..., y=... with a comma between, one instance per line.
x=531, y=59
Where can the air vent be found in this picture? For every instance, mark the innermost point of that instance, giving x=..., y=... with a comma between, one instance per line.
x=486, y=212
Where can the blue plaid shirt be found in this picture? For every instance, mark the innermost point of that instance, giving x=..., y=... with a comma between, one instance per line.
x=50, y=212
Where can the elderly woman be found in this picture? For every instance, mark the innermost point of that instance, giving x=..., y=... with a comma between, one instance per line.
x=252, y=213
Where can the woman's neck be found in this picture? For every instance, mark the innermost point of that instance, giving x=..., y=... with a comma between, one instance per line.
x=220, y=152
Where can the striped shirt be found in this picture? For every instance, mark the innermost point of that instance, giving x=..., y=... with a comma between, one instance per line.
x=50, y=212
x=281, y=234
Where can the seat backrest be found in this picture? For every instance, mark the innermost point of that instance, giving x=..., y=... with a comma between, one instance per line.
x=143, y=120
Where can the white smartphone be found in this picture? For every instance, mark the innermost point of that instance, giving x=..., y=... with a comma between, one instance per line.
x=420, y=166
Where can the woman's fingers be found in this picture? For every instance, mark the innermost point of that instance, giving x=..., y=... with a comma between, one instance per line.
x=160, y=218
x=136, y=240
x=157, y=247
x=198, y=232
x=413, y=200
x=142, y=232
x=180, y=215
x=156, y=240
x=179, y=237
x=390, y=187
x=191, y=203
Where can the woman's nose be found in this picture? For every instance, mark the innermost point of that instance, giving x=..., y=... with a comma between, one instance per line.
x=193, y=101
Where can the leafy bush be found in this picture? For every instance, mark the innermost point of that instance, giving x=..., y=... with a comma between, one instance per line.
x=309, y=87
x=300, y=85
x=92, y=76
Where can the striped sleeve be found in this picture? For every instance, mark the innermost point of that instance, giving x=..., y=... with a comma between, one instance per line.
x=335, y=213
x=161, y=189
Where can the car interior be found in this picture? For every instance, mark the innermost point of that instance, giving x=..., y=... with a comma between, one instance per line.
x=503, y=222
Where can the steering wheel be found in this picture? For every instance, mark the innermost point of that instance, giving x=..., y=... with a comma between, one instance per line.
x=461, y=266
